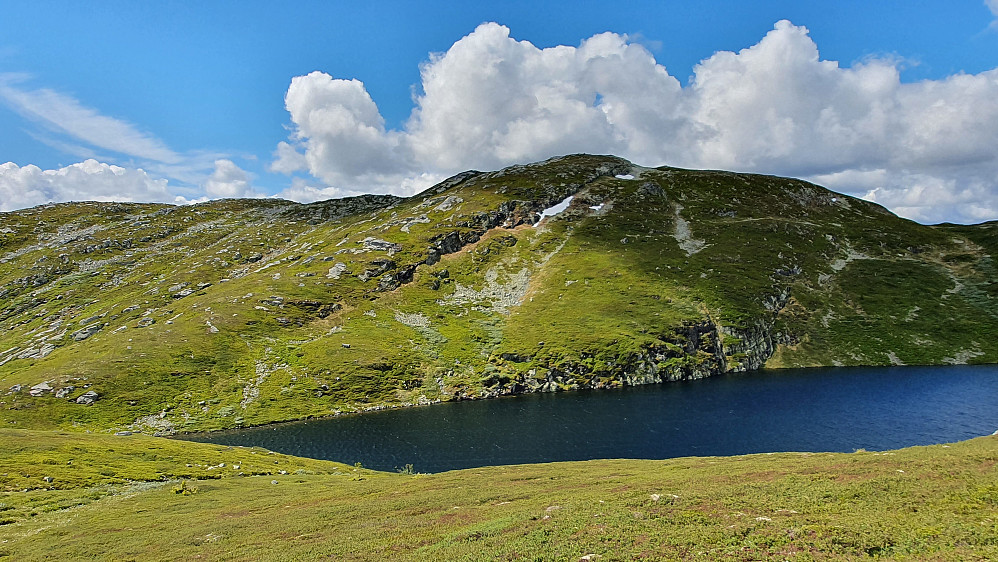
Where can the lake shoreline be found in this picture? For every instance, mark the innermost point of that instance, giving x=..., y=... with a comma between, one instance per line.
x=454, y=398
x=777, y=409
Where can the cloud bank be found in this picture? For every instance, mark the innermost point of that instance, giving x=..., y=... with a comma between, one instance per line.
x=89, y=180
x=925, y=149
x=64, y=123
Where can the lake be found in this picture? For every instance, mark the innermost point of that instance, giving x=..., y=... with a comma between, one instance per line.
x=833, y=409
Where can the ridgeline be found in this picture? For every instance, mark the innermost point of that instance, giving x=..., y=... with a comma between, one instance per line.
x=163, y=319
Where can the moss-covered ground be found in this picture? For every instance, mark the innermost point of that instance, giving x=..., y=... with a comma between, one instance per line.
x=170, y=500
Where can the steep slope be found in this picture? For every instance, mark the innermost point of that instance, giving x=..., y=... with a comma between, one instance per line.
x=244, y=312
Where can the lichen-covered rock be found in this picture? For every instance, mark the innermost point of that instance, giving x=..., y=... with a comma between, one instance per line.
x=87, y=398
x=40, y=389
x=85, y=333
x=339, y=268
x=374, y=244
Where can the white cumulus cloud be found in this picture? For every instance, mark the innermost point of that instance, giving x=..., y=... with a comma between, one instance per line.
x=229, y=180
x=925, y=149
x=89, y=180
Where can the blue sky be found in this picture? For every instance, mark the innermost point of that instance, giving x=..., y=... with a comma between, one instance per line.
x=174, y=88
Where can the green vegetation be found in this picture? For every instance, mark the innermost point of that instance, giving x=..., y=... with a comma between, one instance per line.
x=160, y=319
x=241, y=312
x=922, y=503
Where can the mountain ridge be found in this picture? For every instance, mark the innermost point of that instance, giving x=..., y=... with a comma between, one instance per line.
x=240, y=312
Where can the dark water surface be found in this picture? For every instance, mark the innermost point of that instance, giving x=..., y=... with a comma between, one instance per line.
x=834, y=409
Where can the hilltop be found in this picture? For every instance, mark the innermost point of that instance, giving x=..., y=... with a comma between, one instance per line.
x=162, y=318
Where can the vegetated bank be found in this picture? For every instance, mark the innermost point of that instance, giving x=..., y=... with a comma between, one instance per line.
x=132, y=497
x=232, y=313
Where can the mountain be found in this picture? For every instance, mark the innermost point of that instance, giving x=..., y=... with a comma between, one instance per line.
x=161, y=318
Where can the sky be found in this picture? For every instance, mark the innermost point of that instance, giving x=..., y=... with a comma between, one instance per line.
x=892, y=101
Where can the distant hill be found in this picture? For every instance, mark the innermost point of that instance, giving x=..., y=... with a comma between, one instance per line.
x=239, y=312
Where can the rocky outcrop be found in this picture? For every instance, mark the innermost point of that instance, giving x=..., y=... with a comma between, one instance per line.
x=748, y=348
x=88, y=398
x=85, y=333
x=692, y=352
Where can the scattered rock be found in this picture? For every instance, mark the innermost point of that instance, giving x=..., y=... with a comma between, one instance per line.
x=338, y=269
x=40, y=388
x=123, y=433
x=87, y=332
x=64, y=391
x=273, y=300
x=422, y=219
x=414, y=320
x=374, y=244
x=378, y=267
x=146, y=322
x=88, y=398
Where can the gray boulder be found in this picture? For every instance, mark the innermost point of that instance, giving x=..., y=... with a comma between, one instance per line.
x=88, y=398
x=371, y=243
x=87, y=332
x=40, y=388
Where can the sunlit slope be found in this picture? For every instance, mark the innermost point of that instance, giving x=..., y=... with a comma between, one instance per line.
x=922, y=503
x=243, y=312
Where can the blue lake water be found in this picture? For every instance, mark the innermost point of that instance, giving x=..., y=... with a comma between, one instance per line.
x=834, y=409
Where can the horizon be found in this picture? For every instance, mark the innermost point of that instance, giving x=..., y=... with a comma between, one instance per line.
x=113, y=109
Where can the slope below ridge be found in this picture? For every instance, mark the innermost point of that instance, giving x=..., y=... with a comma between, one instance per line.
x=240, y=312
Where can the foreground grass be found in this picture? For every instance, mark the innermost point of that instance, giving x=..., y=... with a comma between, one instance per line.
x=938, y=503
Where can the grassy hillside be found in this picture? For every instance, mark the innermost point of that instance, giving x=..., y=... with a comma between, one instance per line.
x=922, y=503
x=157, y=318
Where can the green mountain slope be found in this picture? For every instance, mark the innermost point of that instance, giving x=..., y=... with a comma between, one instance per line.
x=239, y=312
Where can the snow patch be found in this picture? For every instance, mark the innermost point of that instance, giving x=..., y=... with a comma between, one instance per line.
x=554, y=210
x=624, y=176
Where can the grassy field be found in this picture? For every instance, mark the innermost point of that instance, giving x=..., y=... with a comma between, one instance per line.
x=145, y=498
